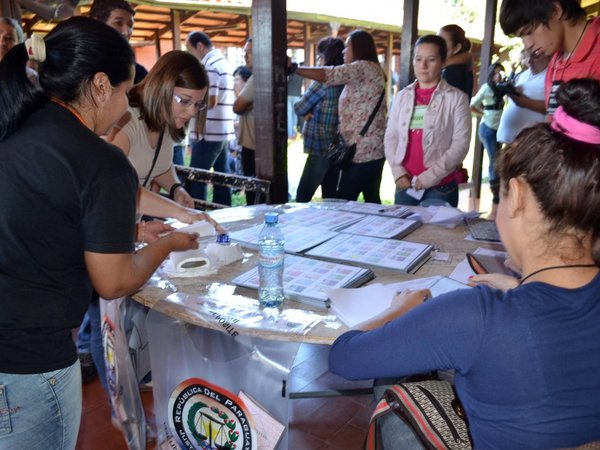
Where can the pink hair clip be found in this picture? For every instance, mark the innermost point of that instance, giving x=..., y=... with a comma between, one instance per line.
x=575, y=129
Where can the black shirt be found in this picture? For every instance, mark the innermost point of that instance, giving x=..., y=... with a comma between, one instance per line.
x=461, y=77
x=63, y=191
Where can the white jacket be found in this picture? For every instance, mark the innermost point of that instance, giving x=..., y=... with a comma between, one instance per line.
x=446, y=132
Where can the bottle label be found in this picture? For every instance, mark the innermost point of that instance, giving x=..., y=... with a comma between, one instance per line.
x=271, y=261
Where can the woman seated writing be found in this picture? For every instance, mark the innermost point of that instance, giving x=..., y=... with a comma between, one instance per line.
x=527, y=359
x=428, y=130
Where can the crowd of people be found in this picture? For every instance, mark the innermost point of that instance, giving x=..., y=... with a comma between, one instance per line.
x=87, y=139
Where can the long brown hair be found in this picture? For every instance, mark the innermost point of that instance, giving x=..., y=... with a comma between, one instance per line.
x=154, y=95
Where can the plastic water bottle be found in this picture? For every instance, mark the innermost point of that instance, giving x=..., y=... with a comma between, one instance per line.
x=270, y=262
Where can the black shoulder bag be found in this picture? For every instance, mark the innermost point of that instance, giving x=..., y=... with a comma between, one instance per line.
x=339, y=152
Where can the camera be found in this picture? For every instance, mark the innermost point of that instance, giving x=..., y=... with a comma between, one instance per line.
x=506, y=88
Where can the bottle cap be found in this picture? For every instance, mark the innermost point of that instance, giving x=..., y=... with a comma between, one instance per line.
x=223, y=238
x=271, y=217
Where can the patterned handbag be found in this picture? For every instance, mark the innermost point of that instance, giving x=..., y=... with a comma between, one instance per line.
x=430, y=409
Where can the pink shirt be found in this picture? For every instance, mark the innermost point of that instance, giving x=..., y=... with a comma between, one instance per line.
x=413, y=162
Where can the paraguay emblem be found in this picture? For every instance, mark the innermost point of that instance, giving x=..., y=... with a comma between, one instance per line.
x=204, y=416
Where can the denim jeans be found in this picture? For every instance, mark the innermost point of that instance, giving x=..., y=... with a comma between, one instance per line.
x=362, y=177
x=207, y=154
x=444, y=195
x=84, y=335
x=40, y=411
x=487, y=136
x=178, y=154
x=249, y=167
x=317, y=171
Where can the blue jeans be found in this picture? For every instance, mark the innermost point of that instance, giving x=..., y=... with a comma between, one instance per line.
x=292, y=118
x=96, y=347
x=487, y=136
x=178, y=154
x=317, y=171
x=40, y=411
x=444, y=195
x=84, y=335
x=362, y=177
x=207, y=154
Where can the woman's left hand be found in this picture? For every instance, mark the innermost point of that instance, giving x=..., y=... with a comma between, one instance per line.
x=418, y=184
x=183, y=198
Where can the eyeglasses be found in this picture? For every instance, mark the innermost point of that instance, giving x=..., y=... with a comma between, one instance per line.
x=186, y=103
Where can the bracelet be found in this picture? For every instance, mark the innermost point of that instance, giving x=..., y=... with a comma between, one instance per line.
x=173, y=189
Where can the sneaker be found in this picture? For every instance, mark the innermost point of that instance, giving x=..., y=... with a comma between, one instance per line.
x=88, y=369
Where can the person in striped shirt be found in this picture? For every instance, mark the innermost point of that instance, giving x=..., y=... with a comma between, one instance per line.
x=211, y=148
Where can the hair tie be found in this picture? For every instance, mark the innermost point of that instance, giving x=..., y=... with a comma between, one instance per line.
x=36, y=48
x=575, y=129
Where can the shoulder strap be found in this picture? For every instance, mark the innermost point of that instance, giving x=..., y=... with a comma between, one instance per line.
x=372, y=116
x=156, y=152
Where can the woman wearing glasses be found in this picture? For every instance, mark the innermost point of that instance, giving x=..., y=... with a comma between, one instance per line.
x=161, y=106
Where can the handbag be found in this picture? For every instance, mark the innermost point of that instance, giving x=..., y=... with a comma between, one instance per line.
x=431, y=411
x=339, y=152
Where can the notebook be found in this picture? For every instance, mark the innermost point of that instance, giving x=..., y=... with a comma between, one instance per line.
x=297, y=238
x=383, y=227
x=387, y=253
x=306, y=279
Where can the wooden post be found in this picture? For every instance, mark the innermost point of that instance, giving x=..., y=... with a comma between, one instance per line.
x=176, y=29
x=389, y=55
x=269, y=47
x=409, y=36
x=487, y=48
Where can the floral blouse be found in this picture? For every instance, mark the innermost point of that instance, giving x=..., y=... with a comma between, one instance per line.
x=363, y=83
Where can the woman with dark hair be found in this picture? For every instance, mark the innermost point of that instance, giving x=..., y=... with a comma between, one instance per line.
x=489, y=103
x=319, y=107
x=428, y=131
x=161, y=106
x=526, y=357
x=458, y=69
x=364, y=82
x=68, y=202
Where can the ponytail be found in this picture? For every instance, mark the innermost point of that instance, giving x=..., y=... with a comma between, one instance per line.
x=19, y=97
x=69, y=57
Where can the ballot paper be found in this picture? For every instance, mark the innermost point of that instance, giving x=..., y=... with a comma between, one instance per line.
x=354, y=306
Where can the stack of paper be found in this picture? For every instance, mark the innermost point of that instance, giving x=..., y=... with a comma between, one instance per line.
x=306, y=279
x=383, y=227
x=387, y=253
x=297, y=238
x=354, y=306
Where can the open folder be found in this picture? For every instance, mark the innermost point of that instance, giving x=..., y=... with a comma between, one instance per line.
x=354, y=306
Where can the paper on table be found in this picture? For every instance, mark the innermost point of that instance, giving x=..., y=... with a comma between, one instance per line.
x=353, y=306
x=463, y=270
x=268, y=429
x=437, y=285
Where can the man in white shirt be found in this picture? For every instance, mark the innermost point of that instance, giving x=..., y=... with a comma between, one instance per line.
x=211, y=148
x=525, y=108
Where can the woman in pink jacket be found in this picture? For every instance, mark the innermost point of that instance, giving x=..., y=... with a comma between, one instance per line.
x=428, y=131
